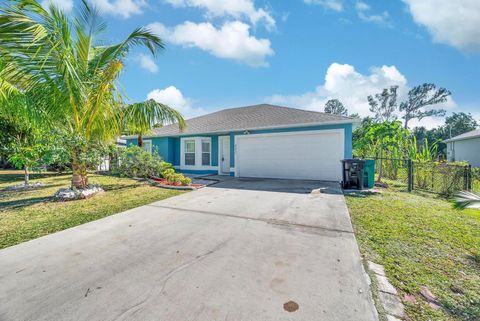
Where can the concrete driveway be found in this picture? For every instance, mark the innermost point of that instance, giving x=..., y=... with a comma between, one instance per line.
x=237, y=250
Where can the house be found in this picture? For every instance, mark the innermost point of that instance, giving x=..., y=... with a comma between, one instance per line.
x=465, y=147
x=257, y=141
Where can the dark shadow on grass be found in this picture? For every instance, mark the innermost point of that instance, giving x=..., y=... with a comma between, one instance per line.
x=359, y=193
x=60, y=177
x=117, y=187
x=6, y=178
x=16, y=204
x=474, y=258
x=20, y=192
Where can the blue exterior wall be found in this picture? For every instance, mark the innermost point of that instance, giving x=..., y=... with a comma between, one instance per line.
x=176, y=151
x=169, y=147
x=164, y=146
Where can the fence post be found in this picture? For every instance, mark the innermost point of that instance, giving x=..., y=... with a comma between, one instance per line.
x=410, y=175
x=467, y=178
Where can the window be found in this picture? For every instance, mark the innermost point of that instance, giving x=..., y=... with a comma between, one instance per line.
x=190, y=152
x=147, y=146
x=205, y=152
x=196, y=152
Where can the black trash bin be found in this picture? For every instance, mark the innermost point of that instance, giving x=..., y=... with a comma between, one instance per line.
x=353, y=173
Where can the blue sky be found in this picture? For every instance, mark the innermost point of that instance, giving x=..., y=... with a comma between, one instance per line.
x=299, y=53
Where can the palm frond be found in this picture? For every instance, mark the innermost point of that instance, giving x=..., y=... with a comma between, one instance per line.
x=140, y=118
x=467, y=200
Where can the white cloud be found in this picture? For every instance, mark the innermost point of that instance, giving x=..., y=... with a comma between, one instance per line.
x=174, y=98
x=232, y=8
x=65, y=5
x=231, y=41
x=352, y=88
x=147, y=63
x=123, y=8
x=455, y=23
x=335, y=5
x=364, y=13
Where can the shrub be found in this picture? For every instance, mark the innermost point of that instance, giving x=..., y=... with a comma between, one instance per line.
x=185, y=181
x=134, y=161
x=175, y=178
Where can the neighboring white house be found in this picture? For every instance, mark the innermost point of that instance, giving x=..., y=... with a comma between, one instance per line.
x=465, y=147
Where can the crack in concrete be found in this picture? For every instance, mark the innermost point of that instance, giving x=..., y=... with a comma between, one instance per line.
x=197, y=259
x=138, y=306
x=265, y=220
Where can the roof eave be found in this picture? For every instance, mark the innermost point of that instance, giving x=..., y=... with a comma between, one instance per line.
x=336, y=122
x=460, y=138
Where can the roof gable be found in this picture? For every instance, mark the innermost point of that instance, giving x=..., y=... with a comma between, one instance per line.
x=250, y=118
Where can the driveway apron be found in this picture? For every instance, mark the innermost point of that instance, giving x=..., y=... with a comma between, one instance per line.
x=242, y=249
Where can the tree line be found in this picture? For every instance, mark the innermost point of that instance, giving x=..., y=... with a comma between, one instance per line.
x=419, y=104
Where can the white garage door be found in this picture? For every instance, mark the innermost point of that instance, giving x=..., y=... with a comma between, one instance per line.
x=313, y=155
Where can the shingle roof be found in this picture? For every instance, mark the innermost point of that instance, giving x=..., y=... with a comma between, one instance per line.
x=249, y=118
x=472, y=134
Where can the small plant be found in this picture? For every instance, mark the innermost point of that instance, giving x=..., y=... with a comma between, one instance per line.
x=168, y=174
x=186, y=181
x=175, y=178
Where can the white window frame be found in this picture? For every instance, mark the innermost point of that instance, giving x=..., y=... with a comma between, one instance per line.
x=209, y=141
x=198, y=153
x=150, y=144
x=184, y=151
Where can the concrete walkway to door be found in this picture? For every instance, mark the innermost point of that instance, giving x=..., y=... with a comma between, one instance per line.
x=242, y=249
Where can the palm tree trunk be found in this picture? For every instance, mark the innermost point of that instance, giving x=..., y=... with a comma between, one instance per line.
x=27, y=175
x=79, y=176
x=140, y=140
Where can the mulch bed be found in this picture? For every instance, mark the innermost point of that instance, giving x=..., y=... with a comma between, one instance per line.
x=165, y=184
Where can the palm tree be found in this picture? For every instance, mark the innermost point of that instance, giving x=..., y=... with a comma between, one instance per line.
x=140, y=118
x=68, y=71
x=467, y=200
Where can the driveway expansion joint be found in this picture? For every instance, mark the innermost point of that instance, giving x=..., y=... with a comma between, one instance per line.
x=271, y=221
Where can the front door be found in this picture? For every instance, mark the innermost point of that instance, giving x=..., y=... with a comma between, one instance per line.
x=224, y=154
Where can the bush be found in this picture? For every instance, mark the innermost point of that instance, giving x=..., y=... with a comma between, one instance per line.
x=134, y=161
x=175, y=178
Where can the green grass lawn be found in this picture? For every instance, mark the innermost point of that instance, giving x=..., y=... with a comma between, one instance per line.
x=422, y=241
x=25, y=215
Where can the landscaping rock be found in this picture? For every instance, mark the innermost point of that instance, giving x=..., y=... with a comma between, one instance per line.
x=387, y=293
x=392, y=318
x=24, y=186
x=69, y=194
x=427, y=295
x=409, y=298
x=384, y=285
x=392, y=304
x=376, y=268
x=434, y=306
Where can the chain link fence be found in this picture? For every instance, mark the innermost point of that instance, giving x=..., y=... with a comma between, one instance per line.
x=441, y=178
x=475, y=180
x=394, y=169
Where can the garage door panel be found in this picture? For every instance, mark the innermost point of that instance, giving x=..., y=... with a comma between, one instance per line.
x=305, y=155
